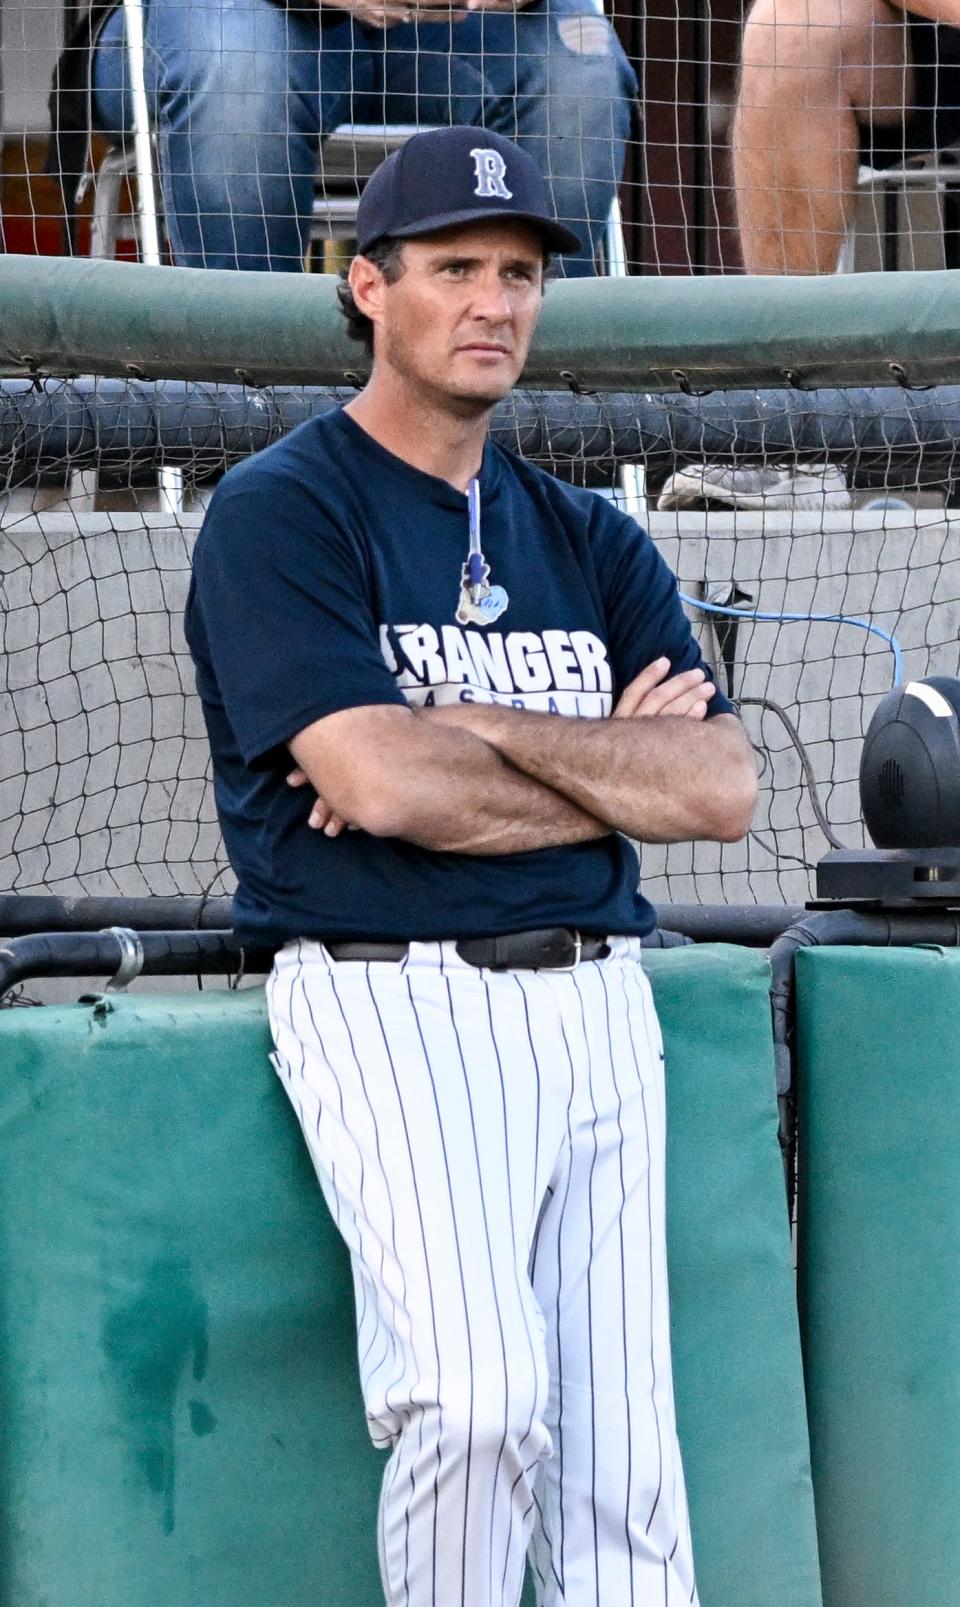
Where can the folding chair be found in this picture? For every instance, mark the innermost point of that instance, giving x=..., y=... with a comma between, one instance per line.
x=896, y=236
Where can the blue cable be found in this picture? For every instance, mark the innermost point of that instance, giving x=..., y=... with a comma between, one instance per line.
x=816, y=619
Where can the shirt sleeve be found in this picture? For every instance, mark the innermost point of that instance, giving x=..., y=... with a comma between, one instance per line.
x=280, y=616
x=641, y=598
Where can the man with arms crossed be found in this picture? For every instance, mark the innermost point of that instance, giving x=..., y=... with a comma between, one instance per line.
x=439, y=634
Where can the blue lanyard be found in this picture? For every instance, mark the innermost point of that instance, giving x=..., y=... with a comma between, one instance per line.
x=480, y=603
x=475, y=559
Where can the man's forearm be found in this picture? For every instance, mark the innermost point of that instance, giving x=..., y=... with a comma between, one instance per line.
x=657, y=780
x=481, y=808
x=432, y=784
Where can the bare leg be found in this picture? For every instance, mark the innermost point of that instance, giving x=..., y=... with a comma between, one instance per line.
x=812, y=70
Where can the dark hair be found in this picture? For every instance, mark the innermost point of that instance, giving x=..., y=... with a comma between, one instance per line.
x=385, y=254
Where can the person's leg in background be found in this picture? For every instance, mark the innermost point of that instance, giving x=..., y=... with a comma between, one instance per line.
x=820, y=80
x=241, y=92
x=568, y=102
x=234, y=90
x=814, y=72
x=552, y=76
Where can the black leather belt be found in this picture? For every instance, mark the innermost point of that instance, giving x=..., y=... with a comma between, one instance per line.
x=554, y=948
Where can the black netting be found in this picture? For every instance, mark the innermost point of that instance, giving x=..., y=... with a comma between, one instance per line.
x=104, y=767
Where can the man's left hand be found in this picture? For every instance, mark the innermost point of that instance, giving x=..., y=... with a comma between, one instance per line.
x=444, y=11
x=497, y=5
x=655, y=691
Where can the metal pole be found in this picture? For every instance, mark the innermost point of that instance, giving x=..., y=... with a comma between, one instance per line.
x=633, y=478
x=146, y=193
x=171, y=480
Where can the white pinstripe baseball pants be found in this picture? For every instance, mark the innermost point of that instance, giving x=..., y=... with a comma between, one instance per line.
x=491, y=1146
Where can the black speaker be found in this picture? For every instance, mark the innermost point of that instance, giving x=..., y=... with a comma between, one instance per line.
x=910, y=766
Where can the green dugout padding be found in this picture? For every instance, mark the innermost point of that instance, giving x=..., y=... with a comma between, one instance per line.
x=180, y=1424
x=878, y=1034
x=737, y=1372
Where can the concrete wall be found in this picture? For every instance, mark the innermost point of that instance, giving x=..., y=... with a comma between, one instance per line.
x=104, y=783
x=30, y=33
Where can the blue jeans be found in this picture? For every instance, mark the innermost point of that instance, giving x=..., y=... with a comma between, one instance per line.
x=242, y=93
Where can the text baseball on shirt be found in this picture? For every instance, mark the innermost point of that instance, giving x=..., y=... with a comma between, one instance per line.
x=553, y=671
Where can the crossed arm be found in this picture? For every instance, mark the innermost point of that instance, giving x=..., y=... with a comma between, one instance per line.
x=484, y=779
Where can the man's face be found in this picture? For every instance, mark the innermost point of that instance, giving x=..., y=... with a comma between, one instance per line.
x=458, y=321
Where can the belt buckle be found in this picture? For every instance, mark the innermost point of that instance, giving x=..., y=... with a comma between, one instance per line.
x=577, y=949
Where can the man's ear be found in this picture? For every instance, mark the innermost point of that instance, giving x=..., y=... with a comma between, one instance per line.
x=367, y=284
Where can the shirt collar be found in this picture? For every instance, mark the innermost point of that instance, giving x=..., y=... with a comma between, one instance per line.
x=429, y=486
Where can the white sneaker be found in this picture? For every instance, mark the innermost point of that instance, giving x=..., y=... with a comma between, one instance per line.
x=818, y=486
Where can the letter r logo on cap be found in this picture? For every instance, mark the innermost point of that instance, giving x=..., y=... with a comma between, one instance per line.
x=491, y=172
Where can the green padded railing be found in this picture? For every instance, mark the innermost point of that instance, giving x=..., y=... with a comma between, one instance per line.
x=181, y=1422
x=878, y=1035
x=88, y=316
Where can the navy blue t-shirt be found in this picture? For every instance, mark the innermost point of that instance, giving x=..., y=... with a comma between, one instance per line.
x=326, y=577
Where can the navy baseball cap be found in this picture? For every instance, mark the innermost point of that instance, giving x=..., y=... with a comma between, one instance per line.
x=447, y=176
